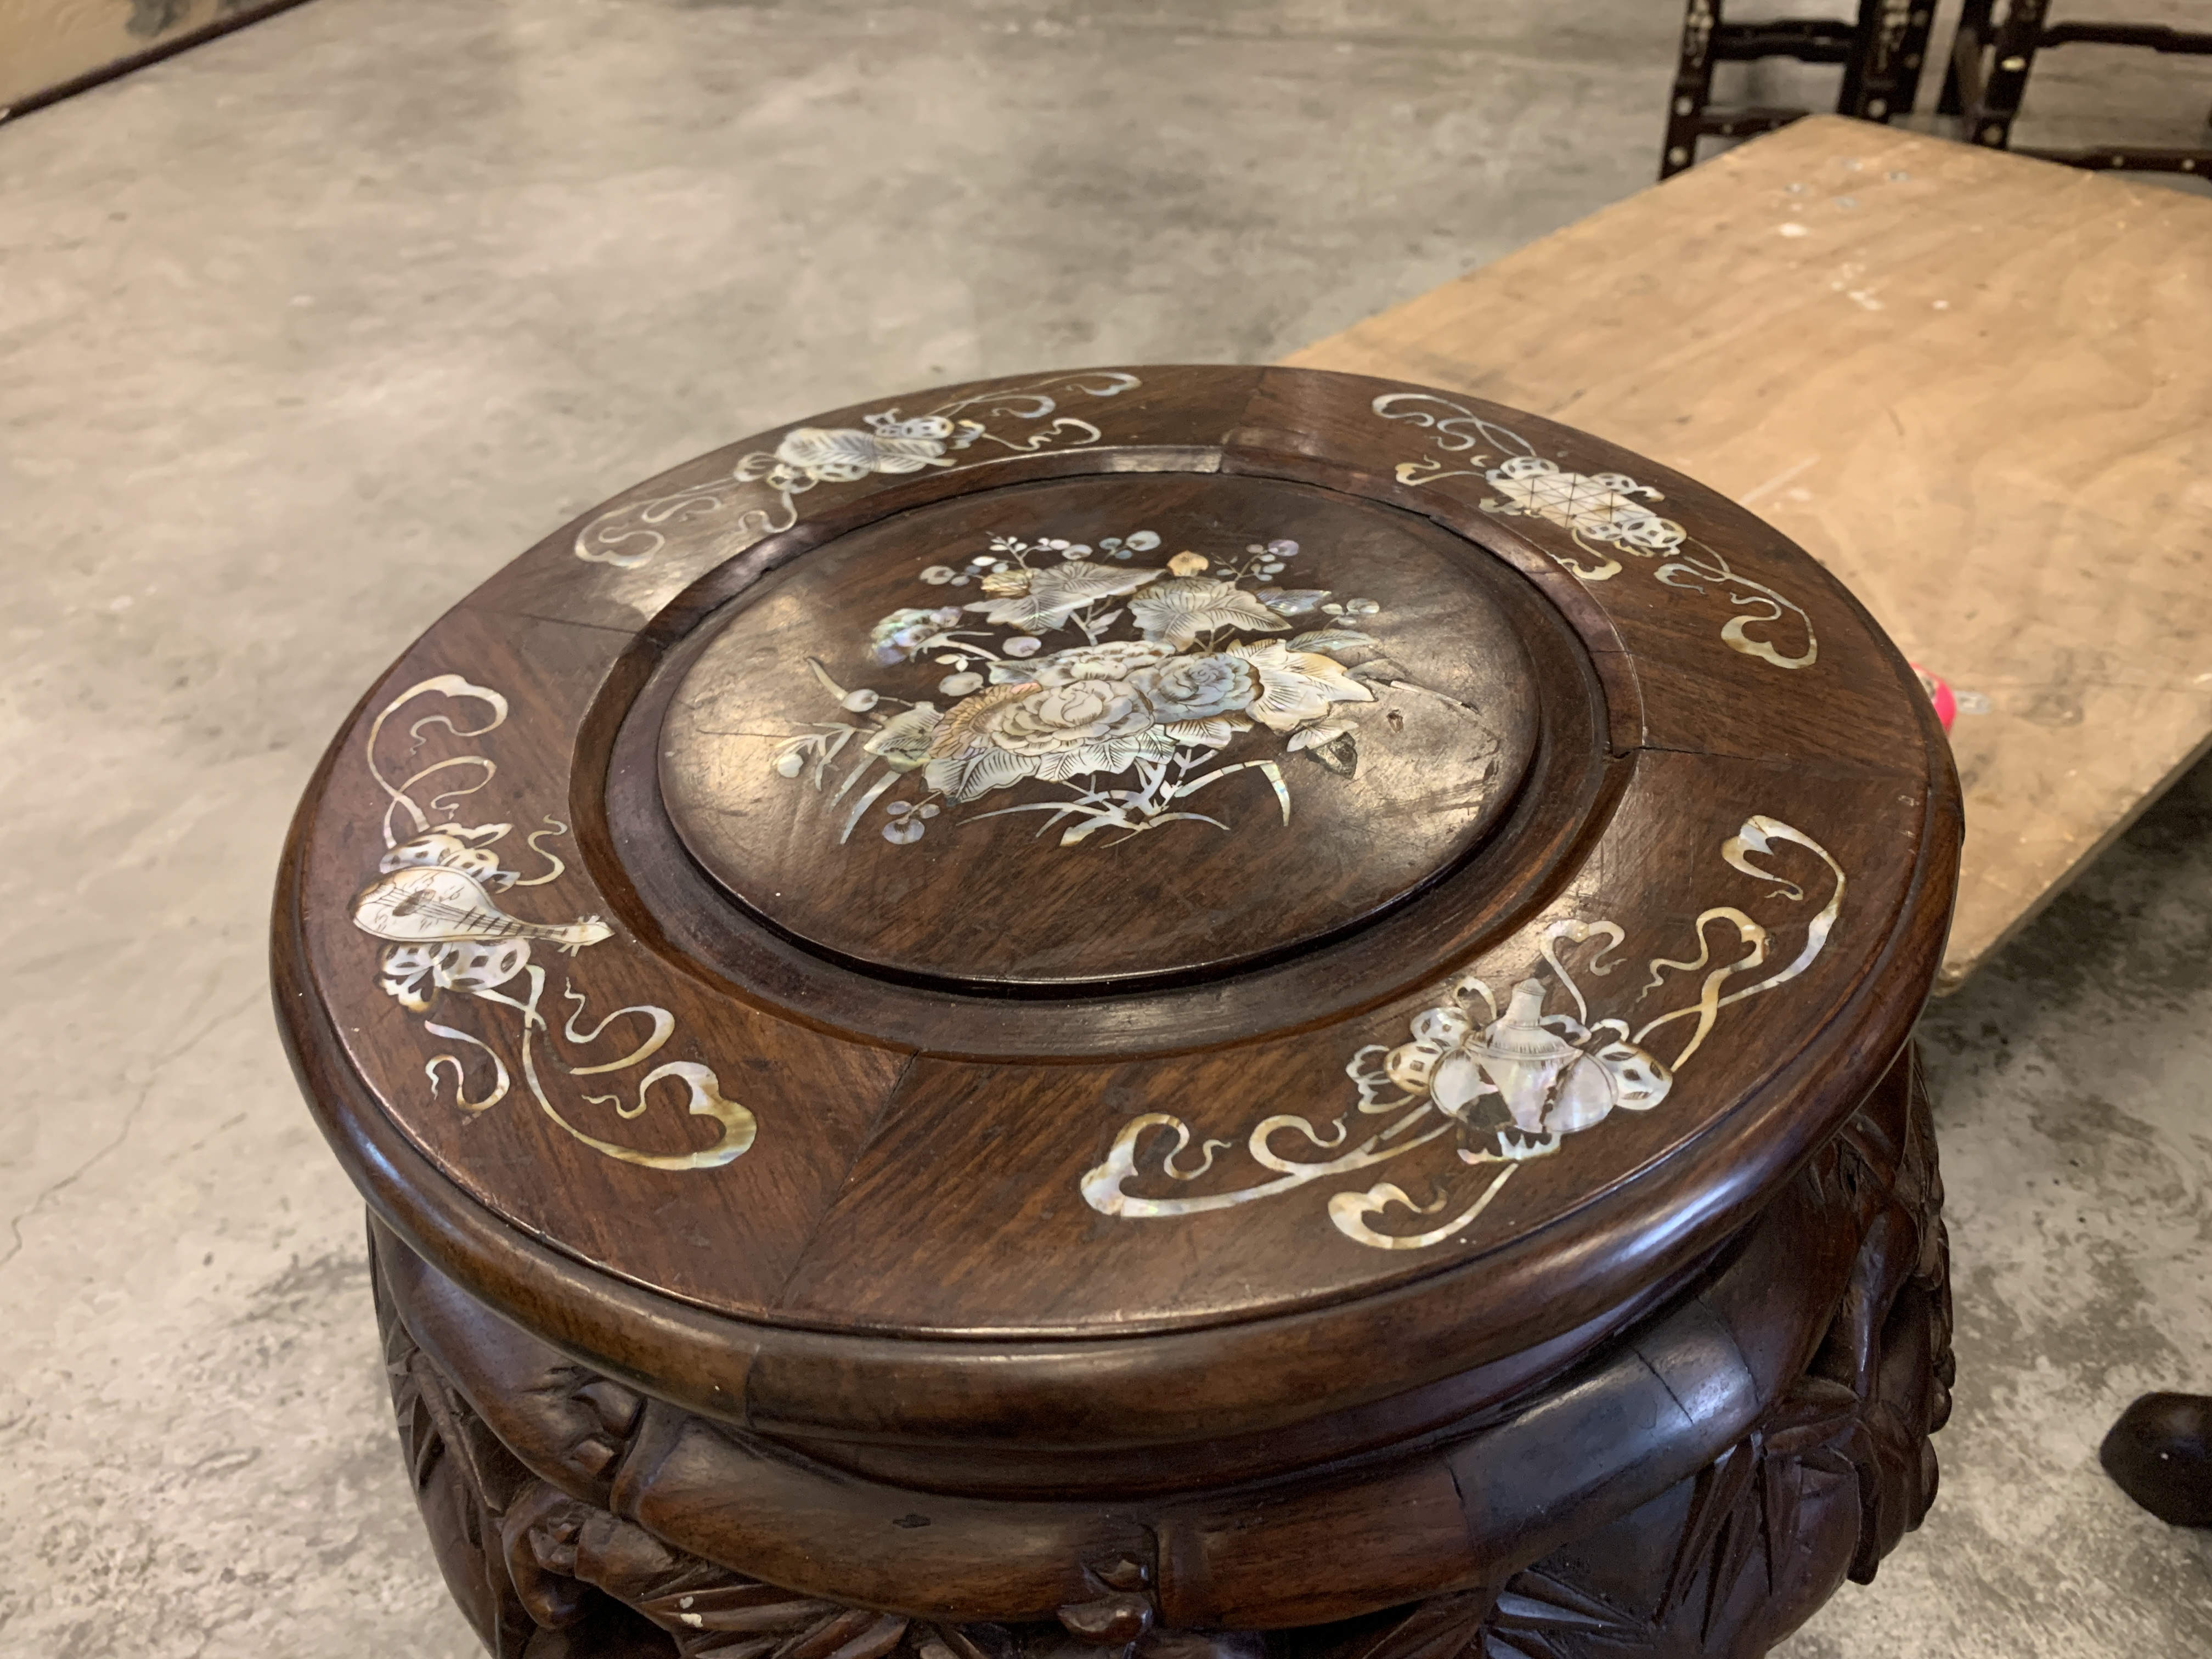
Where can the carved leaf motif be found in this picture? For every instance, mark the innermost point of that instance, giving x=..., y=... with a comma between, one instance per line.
x=1442, y=1628
x=1540, y=1615
x=1181, y=610
x=1720, y=1538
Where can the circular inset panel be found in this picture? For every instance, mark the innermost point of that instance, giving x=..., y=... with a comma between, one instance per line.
x=1101, y=730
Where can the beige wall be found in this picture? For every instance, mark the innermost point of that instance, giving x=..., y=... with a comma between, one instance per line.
x=44, y=42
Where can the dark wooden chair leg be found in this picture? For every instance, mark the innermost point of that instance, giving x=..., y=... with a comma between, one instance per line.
x=1990, y=114
x=1962, y=68
x=1912, y=58
x=1693, y=86
x=1882, y=79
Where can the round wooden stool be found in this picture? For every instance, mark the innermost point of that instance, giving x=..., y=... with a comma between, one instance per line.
x=1183, y=1012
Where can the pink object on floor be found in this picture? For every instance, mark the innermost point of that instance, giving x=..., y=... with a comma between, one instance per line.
x=1939, y=693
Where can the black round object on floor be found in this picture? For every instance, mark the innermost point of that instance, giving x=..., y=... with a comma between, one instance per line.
x=2160, y=1453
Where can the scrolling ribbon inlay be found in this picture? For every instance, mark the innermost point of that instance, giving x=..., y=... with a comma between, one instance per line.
x=431, y=903
x=884, y=442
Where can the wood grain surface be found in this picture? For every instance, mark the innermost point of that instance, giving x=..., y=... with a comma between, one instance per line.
x=793, y=1190
x=1977, y=388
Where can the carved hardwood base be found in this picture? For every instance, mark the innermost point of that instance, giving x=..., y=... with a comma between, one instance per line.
x=1725, y=1563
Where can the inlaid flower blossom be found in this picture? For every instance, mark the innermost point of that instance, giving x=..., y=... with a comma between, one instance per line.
x=1200, y=688
x=1111, y=660
x=1297, y=686
x=1050, y=731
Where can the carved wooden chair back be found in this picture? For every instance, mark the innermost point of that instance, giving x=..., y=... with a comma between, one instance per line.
x=1990, y=61
x=1881, y=51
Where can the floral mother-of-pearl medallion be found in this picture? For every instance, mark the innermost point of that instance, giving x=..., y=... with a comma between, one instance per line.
x=1133, y=685
x=1603, y=513
x=1500, y=1090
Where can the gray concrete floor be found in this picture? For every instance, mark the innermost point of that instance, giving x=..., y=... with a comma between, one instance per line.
x=304, y=333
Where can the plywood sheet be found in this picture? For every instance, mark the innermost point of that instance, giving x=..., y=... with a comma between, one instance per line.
x=47, y=45
x=1978, y=388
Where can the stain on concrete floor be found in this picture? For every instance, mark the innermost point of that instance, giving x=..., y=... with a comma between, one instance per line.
x=305, y=332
